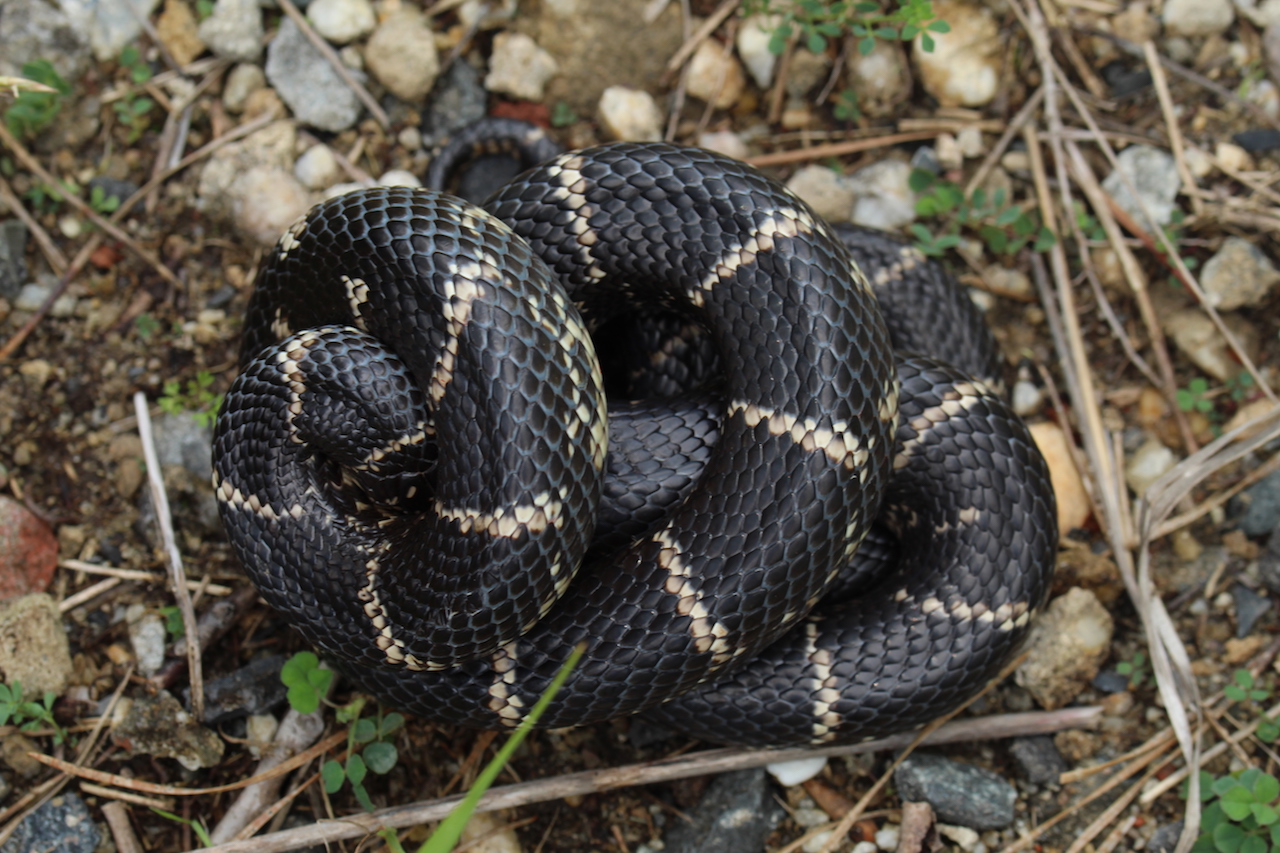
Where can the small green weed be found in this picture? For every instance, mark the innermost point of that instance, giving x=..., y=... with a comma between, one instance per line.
x=1196, y=397
x=1240, y=386
x=562, y=115
x=446, y=835
x=368, y=750
x=197, y=398
x=29, y=714
x=147, y=326
x=101, y=202
x=1245, y=689
x=132, y=110
x=816, y=21
x=308, y=683
x=1137, y=670
x=1002, y=226
x=33, y=111
x=197, y=826
x=1242, y=817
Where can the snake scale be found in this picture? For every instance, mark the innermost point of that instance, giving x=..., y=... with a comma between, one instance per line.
x=419, y=467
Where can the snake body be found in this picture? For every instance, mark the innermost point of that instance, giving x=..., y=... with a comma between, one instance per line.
x=419, y=398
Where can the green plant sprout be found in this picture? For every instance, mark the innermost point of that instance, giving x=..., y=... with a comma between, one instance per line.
x=35, y=107
x=197, y=398
x=1002, y=226
x=197, y=826
x=1136, y=669
x=368, y=750
x=446, y=835
x=816, y=21
x=29, y=714
x=307, y=681
x=1245, y=689
x=133, y=109
x=1242, y=817
x=1195, y=397
x=101, y=202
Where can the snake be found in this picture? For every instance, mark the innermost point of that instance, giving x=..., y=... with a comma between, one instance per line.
x=443, y=465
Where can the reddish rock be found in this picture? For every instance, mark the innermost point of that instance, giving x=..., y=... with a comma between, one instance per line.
x=28, y=551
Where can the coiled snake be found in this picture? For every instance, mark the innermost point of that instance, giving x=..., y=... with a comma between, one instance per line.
x=412, y=462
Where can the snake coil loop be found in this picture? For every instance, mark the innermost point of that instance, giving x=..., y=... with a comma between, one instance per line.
x=420, y=429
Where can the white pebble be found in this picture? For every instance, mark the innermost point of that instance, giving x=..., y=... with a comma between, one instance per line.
x=399, y=178
x=790, y=773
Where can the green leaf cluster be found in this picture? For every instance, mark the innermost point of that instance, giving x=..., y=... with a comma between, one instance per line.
x=1136, y=669
x=31, y=112
x=815, y=22
x=1242, y=817
x=1195, y=397
x=369, y=750
x=133, y=109
x=1002, y=226
x=308, y=683
x=29, y=714
x=198, y=398
x=1246, y=689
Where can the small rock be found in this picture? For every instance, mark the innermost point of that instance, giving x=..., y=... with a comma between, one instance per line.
x=317, y=168
x=306, y=81
x=1165, y=838
x=1154, y=174
x=884, y=198
x=1068, y=643
x=963, y=69
x=28, y=551
x=1258, y=141
x=401, y=54
x=147, y=636
x=519, y=67
x=737, y=812
x=159, y=726
x=32, y=296
x=1239, y=274
x=715, y=76
x=183, y=440
x=808, y=69
x=630, y=115
x=1008, y=281
x=1233, y=157
x=39, y=30
x=342, y=21
x=1197, y=17
x=725, y=142
x=881, y=78
x=947, y=152
x=1038, y=759
x=108, y=25
x=33, y=645
x=1148, y=463
x=1074, y=508
x=267, y=201
x=62, y=824
x=789, y=773
x=457, y=100
x=825, y=190
x=1197, y=336
x=16, y=750
x=752, y=42
x=13, y=264
x=970, y=141
x=1027, y=398
x=959, y=793
x=177, y=27
x=252, y=689
x=234, y=30
x=489, y=832
x=1110, y=681
x=399, y=178
x=964, y=837
x=259, y=730
x=1249, y=606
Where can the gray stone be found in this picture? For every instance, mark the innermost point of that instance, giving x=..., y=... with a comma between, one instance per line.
x=1165, y=838
x=234, y=30
x=1154, y=175
x=62, y=824
x=108, y=25
x=1257, y=509
x=1249, y=606
x=307, y=83
x=182, y=440
x=13, y=262
x=33, y=645
x=342, y=21
x=35, y=29
x=458, y=99
x=1038, y=759
x=737, y=812
x=1238, y=275
x=960, y=793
